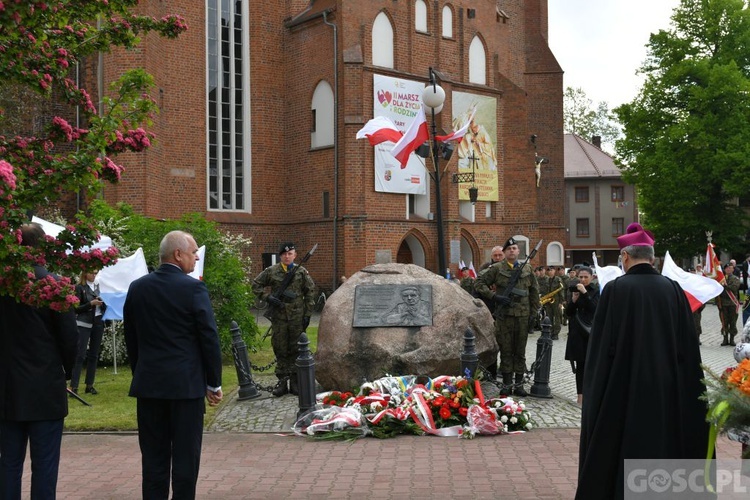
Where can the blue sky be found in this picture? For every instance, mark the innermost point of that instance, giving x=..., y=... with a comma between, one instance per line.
x=601, y=44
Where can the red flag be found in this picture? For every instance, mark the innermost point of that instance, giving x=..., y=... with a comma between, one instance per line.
x=458, y=134
x=414, y=137
x=713, y=266
x=713, y=270
x=472, y=271
x=379, y=129
x=698, y=289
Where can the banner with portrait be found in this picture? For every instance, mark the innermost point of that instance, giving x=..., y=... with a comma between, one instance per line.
x=398, y=100
x=478, y=148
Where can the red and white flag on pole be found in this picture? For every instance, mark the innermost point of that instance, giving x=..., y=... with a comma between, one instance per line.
x=414, y=137
x=380, y=129
x=698, y=289
x=458, y=134
x=712, y=269
x=472, y=271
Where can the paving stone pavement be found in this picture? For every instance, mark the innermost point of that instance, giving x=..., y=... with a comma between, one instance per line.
x=250, y=453
x=266, y=414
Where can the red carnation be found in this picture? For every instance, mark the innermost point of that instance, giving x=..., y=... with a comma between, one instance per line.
x=445, y=412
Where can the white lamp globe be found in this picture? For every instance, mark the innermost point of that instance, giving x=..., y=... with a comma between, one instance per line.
x=435, y=110
x=433, y=96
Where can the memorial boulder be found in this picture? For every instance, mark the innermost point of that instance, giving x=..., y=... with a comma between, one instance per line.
x=398, y=319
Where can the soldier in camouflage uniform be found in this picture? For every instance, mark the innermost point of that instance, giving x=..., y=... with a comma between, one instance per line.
x=554, y=313
x=291, y=315
x=467, y=282
x=727, y=306
x=512, y=314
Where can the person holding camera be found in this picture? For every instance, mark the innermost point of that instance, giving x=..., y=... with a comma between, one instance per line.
x=89, y=312
x=580, y=309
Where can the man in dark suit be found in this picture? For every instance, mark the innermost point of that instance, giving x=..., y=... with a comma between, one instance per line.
x=37, y=353
x=173, y=346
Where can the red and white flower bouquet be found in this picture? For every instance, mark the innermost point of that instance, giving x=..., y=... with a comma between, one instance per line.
x=443, y=406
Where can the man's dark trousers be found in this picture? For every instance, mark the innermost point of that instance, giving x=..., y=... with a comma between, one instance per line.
x=44, y=437
x=159, y=422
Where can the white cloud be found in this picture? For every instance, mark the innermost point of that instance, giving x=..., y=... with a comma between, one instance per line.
x=601, y=44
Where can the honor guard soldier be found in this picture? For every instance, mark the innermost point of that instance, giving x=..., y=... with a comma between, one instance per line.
x=467, y=282
x=291, y=313
x=554, y=289
x=514, y=309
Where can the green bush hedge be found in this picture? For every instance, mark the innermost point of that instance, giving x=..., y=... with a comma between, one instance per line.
x=225, y=273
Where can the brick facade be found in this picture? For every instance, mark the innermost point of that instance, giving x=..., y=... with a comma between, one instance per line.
x=289, y=178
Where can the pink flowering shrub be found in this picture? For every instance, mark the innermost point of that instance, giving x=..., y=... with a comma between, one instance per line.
x=40, y=42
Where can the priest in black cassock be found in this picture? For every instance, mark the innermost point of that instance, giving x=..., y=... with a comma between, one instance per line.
x=643, y=375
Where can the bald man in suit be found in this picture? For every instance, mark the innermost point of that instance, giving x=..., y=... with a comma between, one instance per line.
x=173, y=346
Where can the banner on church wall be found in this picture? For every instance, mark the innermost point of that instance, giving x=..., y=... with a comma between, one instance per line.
x=398, y=100
x=479, y=145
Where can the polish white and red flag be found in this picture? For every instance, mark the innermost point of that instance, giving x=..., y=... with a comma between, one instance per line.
x=414, y=137
x=712, y=269
x=698, y=289
x=380, y=129
x=472, y=271
x=457, y=135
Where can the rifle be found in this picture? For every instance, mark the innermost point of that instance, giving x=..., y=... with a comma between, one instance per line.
x=76, y=396
x=515, y=277
x=282, y=292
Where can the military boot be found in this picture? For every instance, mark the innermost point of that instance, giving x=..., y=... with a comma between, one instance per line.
x=507, y=386
x=731, y=340
x=293, y=384
x=492, y=371
x=519, y=390
x=281, y=388
x=726, y=339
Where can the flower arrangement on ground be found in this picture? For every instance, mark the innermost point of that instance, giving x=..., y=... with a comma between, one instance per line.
x=729, y=403
x=444, y=406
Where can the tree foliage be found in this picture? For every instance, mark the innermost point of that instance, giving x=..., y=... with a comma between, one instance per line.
x=225, y=270
x=585, y=120
x=686, y=141
x=41, y=42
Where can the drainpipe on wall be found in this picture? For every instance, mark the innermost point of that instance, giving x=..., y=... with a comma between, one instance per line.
x=335, y=148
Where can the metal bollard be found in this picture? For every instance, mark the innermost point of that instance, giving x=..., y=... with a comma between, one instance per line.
x=242, y=364
x=541, y=389
x=469, y=357
x=305, y=376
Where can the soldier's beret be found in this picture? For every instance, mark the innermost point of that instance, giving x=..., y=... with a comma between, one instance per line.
x=509, y=243
x=285, y=247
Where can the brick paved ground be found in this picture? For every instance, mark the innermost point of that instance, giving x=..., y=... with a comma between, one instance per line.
x=250, y=453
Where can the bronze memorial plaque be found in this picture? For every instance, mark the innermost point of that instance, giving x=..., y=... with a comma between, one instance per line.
x=392, y=305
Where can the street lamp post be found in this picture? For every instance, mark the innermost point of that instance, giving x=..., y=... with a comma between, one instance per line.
x=433, y=96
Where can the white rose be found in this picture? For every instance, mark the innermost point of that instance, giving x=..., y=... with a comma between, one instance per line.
x=528, y=426
x=513, y=420
x=503, y=419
